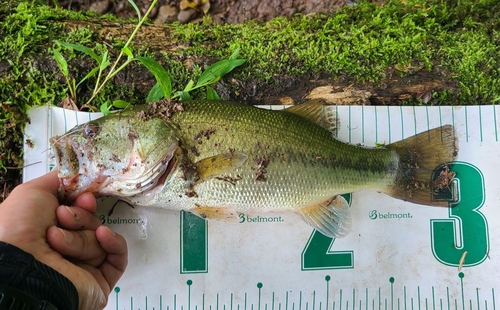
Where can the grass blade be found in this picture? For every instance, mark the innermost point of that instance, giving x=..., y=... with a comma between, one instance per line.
x=61, y=61
x=135, y=8
x=82, y=49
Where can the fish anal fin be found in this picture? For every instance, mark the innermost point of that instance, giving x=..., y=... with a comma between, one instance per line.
x=332, y=218
x=316, y=111
x=218, y=165
x=216, y=213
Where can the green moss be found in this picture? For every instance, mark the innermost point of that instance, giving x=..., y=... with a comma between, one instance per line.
x=359, y=42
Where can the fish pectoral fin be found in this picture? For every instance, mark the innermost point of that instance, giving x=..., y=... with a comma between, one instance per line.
x=316, y=111
x=219, y=164
x=332, y=218
x=216, y=213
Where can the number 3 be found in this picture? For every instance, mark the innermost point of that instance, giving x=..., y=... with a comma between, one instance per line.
x=466, y=228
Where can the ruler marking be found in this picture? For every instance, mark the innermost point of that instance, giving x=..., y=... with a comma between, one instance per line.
x=314, y=299
x=404, y=295
x=350, y=129
x=433, y=300
x=418, y=290
x=131, y=303
x=376, y=125
x=272, y=304
x=428, y=123
x=389, y=122
x=327, y=291
x=466, y=125
x=340, y=301
x=495, y=121
x=462, y=289
x=402, y=123
x=286, y=301
x=480, y=133
x=493, y=294
x=363, y=124
x=366, y=298
x=300, y=300
x=414, y=120
x=392, y=292
x=477, y=298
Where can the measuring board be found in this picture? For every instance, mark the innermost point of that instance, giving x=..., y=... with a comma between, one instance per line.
x=398, y=255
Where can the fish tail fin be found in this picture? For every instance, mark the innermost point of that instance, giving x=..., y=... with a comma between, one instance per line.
x=424, y=175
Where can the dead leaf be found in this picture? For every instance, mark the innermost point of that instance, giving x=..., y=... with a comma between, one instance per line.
x=69, y=104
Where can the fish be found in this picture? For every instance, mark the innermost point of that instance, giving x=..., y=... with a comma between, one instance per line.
x=218, y=159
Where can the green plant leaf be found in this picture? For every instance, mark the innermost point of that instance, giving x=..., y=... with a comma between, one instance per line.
x=61, y=61
x=89, y=75
x=234, y=55
x=218, y=69
x=212, y=94
x=127, y=52
x=160, y=74
x=189, y=86
x=155, y=94
x=121, y=104
x=136, y=8
x=81, y=48
x=184, y=95
x=104, y=61
x=104, y=108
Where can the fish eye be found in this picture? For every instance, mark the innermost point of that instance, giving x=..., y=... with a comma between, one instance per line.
x=90, y=130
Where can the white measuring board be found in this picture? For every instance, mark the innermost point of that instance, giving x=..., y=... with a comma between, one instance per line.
x=398, y=255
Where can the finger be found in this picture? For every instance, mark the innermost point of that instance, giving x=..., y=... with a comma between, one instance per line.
x=86, y=201
x=117, y=259
x=79, y=245
x=48, y=182
x=76, y=218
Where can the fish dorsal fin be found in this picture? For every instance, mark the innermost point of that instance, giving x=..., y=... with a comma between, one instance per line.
x=332, y=218
x=316, y=111
x=216, y=213
x=219, y=164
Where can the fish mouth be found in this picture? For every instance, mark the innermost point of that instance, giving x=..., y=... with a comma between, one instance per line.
x=73, y=182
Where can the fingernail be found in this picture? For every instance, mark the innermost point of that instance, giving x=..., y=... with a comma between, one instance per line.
x=76, y=214
x=111, y=232
x=68, y=237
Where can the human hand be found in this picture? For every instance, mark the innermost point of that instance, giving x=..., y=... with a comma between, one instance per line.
x=91, y=256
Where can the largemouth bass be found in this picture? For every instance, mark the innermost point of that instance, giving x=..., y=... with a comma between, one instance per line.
x=217, y=159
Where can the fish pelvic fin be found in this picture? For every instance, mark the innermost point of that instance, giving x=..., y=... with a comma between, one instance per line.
x=421, y=158
x=216, y=213
x=219, y=165
x=332, y=218
x=317, y=111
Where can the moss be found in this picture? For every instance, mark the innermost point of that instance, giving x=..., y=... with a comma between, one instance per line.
x=361, y=41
